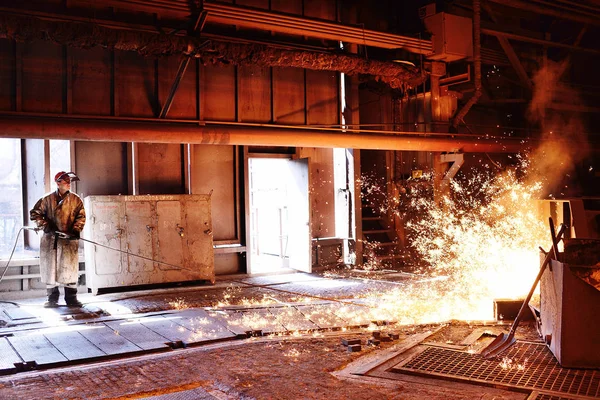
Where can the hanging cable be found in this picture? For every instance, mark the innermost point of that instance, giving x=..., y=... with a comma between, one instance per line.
x=11, y=256
x=14, y=247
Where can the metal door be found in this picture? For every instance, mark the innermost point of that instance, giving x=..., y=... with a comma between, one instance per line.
x=140, y=226
x=170, y=234
x=108, y=220
x=299, y=237
x=198, y=237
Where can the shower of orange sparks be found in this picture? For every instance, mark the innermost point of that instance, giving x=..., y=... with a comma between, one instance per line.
x=484, y=238
x=479, y=244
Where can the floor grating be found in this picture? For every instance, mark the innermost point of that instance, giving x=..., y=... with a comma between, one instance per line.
x=526, y=366
x=549, y=397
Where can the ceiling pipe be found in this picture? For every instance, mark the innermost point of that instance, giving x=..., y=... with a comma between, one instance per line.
x=477, y=64
x=246, y=135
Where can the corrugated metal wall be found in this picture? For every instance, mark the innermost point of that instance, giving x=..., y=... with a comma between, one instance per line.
x=42, y=77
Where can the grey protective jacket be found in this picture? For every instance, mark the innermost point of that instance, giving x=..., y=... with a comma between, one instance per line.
x=59, y=261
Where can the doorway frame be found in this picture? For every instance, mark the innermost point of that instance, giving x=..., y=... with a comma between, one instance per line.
x=247, y=214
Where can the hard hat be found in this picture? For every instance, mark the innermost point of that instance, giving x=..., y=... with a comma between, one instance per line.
x=63, y=176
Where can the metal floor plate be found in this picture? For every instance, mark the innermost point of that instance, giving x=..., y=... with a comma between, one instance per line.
x=193, y=394
x=526, y=366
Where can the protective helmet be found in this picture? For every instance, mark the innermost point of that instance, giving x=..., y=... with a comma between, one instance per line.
x=66, y=176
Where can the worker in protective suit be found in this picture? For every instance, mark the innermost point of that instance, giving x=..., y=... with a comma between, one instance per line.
x=60, y=214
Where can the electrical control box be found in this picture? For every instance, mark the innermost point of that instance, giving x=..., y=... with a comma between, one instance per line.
x=152, y=239
x=452, y=37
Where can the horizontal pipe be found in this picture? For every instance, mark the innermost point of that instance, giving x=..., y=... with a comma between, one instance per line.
x=350, y=128
x=355, y=128
x=233, y=134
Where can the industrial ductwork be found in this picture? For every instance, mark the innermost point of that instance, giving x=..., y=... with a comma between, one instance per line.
x=84, y=35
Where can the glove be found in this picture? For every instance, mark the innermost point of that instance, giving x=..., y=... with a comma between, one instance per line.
x=63, y=235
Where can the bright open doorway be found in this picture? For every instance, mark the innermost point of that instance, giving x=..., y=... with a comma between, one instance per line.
x=279, y=215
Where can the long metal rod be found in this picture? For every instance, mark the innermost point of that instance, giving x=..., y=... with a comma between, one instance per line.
x=137, y=255
x=270, y=287
x=547, y=260
x=504, y=341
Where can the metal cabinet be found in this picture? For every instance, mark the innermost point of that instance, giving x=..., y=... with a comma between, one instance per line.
x=570, y=304
x=141, y=240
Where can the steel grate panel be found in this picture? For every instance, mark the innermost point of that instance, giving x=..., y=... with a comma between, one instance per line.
x=550, y=397
x=525, y=365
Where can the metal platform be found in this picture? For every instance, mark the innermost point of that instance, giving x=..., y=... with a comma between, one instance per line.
x=527, y=367
x=29, y=343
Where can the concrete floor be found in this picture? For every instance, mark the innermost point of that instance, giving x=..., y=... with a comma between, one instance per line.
x=226, y=355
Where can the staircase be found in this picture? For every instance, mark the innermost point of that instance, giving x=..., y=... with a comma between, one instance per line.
x=380, y=244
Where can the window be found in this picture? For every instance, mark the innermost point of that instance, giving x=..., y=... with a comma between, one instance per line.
x=11, y=188
x=60, y=157
x=11, y=198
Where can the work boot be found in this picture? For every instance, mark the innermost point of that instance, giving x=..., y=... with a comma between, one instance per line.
x=71, y=297
x=52, y=297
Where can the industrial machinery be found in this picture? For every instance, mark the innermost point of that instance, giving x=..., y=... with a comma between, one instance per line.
x=152, y=239
x=570, y=286
x=570, y=304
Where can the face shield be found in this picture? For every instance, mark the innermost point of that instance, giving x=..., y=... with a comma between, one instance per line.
x=66, y=176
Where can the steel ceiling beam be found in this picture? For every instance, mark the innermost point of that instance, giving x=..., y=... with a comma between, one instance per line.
x=510, y=52
x=544, y=10
x=541, y=42
x=183, y=64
